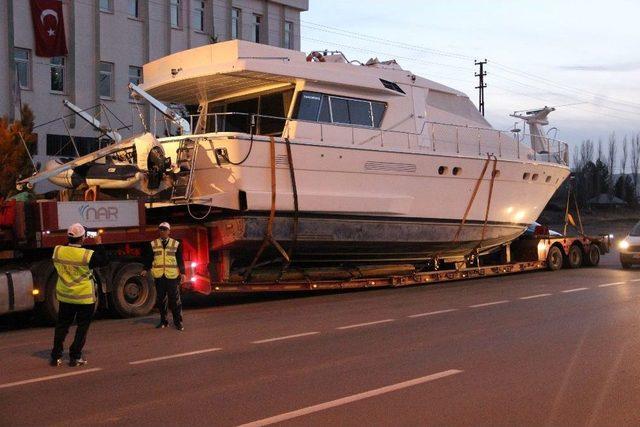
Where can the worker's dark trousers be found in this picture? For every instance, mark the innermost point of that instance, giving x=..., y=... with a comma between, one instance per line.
x=67, y=313
x=169, y=294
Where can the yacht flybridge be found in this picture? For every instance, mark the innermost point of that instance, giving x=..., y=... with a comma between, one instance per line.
x=345, y=162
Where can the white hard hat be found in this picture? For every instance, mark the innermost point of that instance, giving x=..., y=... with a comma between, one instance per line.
x=165, y=225
x=76, y=230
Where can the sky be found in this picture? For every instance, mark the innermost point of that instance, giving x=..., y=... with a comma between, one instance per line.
x=580, y=56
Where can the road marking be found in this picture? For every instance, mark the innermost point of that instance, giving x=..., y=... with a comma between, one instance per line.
x=431, y=313
x=604, y=285
x=536, y=296
x=486, y=304
x=284, y=338
x=173, y=356
x=349, y=399
x=358, y=325
x=634, y=280
x=50, y=377
x=566, y=291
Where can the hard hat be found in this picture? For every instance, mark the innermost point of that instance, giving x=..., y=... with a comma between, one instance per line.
x=76, y=230
x=165, y=225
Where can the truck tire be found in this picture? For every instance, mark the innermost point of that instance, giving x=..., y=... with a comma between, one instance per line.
x=574, y=258
x=555, y=259
x=132, y=295
x=593, y=256
x=48, y=309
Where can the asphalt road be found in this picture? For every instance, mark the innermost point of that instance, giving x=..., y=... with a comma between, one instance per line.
x=542, y=348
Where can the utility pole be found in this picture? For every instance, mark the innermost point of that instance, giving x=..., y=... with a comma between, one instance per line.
x=481, y=85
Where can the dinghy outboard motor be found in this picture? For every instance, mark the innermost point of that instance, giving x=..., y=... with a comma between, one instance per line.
x=157, y=165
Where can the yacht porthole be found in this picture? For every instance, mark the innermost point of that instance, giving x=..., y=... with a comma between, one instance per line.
x=526, y=176
x=456, y=171
x=442, y=170
x=548, y=179
x=534, y=177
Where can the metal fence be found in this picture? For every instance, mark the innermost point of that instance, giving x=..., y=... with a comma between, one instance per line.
x=434, y=136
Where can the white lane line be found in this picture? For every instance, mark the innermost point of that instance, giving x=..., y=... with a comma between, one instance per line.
x=173, y=356
x=634, y=280
x=349, y=399
x=432, y=313
x=566, y=291
x=486, y=304
x=80, y=371
x=358, y=325
x=605, y=285
x=284, y=338
x=536, y=296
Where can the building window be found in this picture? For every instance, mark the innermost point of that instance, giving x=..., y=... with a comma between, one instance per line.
x=61, y=145
x=288, y=35
x=22, y=59
x=106, y=80
x=257, y=21
x=235, y=23
x=134, y=8
x=135, y=76
x=174, y=13
x=57, y=74
x=198, y=15
x=106, y=6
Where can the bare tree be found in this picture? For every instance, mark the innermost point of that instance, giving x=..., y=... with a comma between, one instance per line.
x=586, y=152
x=599, y=150
x=635, y=161
x=625, y=156
x=612, y=150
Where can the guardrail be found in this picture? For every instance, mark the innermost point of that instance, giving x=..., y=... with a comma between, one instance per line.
x=439, y=137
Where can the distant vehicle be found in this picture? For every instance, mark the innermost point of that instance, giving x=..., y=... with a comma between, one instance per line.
x=630, y=247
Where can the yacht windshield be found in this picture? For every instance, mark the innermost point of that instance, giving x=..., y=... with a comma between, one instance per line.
x=234, y=115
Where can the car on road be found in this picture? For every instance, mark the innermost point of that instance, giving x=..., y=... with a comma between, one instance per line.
x=629, y=248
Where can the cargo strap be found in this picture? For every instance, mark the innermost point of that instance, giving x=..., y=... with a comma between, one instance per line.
x=294, y=229
x=268, y=235
x=472, y=199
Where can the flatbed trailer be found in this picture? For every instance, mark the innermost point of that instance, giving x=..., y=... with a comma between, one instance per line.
x=30, y=230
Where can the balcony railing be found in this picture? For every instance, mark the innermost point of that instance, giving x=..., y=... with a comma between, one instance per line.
x=436, y=137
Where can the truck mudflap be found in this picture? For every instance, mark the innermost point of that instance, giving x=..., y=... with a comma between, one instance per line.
x=16, y=291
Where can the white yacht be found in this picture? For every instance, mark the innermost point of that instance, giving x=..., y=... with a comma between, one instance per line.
x=371, y=162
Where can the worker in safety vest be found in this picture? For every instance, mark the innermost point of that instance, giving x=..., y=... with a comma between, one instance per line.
x=75, y=291
x=164, y=259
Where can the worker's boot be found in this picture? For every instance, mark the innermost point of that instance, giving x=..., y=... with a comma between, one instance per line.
x=55, y=362
x=77, y=362
x=162, y=324
x=179, y=326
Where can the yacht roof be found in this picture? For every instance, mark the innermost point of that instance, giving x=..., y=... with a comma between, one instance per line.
x=213, y=71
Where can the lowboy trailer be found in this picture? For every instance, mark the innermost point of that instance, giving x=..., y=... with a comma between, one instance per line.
x=30, y=230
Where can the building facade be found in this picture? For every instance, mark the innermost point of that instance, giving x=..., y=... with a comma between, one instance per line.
x=108, y=42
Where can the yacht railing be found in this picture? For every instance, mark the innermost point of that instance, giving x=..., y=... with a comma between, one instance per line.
x=437, y=137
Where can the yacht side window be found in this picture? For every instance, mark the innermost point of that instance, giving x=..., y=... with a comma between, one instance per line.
x=308, y=106
x=317, y=107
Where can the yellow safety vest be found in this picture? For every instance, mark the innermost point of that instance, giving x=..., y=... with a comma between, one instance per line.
x=165, y=262
x=75, y=282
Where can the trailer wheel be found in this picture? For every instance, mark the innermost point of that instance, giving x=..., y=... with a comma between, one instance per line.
x=574, y=258
x=48, y=309
x=555, y=258
x=593, y=256
x=132, y=295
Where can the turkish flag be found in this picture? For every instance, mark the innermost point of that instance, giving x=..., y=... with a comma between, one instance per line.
x=48, y=27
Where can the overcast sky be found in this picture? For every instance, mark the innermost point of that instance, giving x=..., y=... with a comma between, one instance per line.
x=540, y=53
